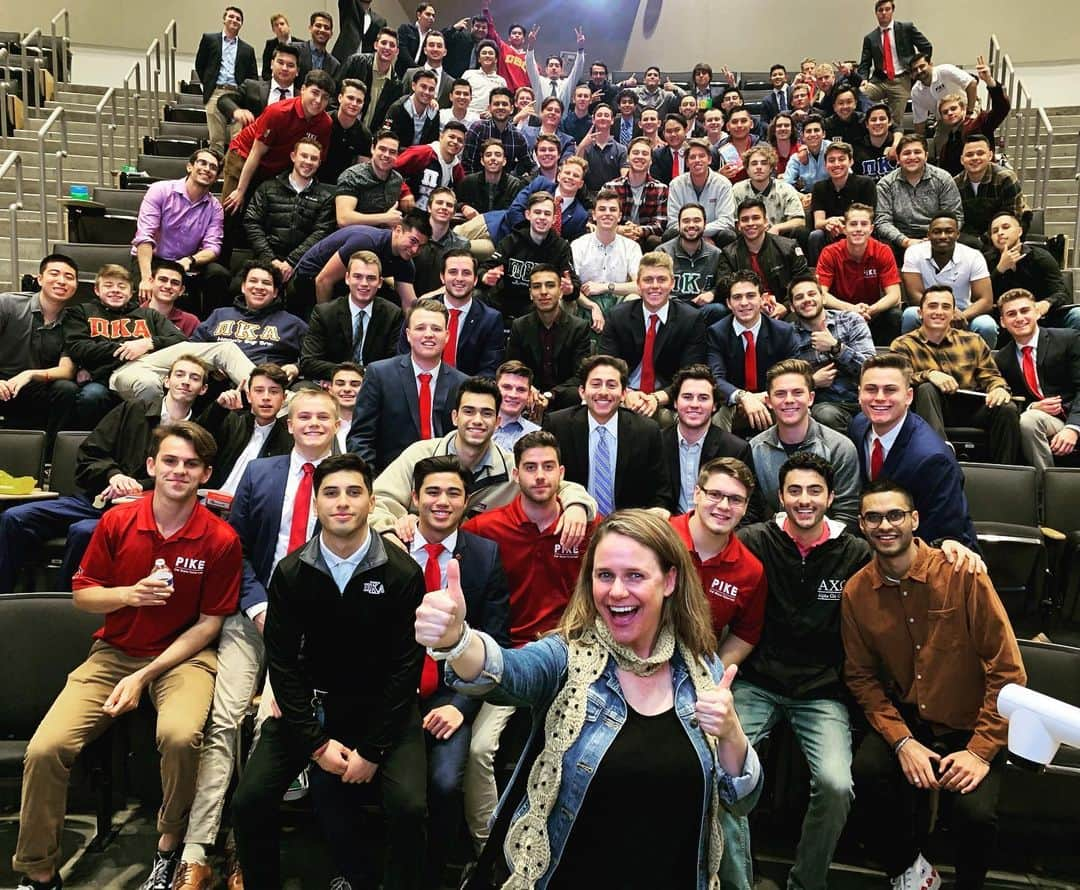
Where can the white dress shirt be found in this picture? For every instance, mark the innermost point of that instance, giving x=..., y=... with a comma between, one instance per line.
x=420, y=555
x=251, y=451
x=662, y=314
x=887, y=441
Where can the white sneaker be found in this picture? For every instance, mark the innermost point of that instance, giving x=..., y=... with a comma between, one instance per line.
x=298, y=788
x=921, y=875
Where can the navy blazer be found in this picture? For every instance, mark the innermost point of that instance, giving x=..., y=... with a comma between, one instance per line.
x=386, y=419
x=680, y=341
x=922, y=463
x=661, y=164
x=776, y=341
x=256, y=516
x=908, y=41
x=208, y=62
x=487, y=603
x=769, y=106
x=1057, y=365
x=481, y=340
x=641, y=474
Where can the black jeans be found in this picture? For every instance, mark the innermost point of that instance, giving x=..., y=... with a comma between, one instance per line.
x=399, y=784
x=41, y=406
x=1002, y=423
x=899, y=811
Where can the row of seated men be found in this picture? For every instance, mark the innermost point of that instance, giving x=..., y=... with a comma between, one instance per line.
x=322, y=561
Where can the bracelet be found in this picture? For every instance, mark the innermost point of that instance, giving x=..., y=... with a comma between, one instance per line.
x=457, y=649
x=900, y=744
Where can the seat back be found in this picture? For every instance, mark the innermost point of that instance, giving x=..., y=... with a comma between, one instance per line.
x=1061, y=498
x=118, y=199
x=65, y=455
x=185, y=113
x=92, y=257
x=1052, y=669
x=165, y=168
x=191, y=131
x=1000, y=493
x=170, y=146
x=45, y=638
x=21, y=451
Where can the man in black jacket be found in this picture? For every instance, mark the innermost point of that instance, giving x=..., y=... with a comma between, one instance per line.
x=242, y=107
x=413, y=117
x=246, y=435
x=216, y=78
x=111, y=464
x=291, y=212
x=775, y=258
x=362, y=327
x=551, y=341
x=506, y=271
x=358, y=26
x=339, y=635
x=491, y=188
x=375, y=70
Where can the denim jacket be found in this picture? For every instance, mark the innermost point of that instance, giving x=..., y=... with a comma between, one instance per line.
x=533, y=675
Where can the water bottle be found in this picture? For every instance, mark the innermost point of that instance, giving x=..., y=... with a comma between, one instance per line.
x=161, y=572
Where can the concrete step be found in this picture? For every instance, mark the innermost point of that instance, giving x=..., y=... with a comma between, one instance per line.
x=82, y=89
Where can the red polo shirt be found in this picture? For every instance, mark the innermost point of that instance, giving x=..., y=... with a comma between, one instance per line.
x=857, y=281
x=279, y=127
x=540, y=572
x=205, y=559
x=734, y=582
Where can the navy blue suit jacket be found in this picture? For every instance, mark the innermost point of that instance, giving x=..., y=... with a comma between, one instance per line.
x=481, y=340
x=769, y=106
x=256, y=516
x=487, y=601
x=922, y=463
x=386, y=419
x=776, y=341
x=208, y=62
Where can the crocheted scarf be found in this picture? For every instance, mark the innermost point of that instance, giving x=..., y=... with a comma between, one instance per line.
x=527, y=843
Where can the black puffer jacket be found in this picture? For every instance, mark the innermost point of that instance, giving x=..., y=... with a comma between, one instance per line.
x=282, y=224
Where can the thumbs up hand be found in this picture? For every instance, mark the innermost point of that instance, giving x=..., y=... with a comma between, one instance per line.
x=715, y=708
x=440, y=617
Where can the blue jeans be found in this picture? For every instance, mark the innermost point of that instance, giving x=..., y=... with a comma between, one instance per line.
x=822, y=729
x=25, y=528
x=92, y=402
x=983, y=325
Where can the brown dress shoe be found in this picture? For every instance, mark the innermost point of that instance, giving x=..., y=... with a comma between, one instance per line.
x=236, y=877
x=192, y=876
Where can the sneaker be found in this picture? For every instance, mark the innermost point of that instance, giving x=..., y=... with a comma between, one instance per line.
x=236, y=877
x=920, y=876
x=162, y=871
x=299, y=787
x=340, y=883
x=55, y=883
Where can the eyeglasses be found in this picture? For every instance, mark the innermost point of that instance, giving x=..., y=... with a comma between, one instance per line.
x=717, y=497
x=872, y=518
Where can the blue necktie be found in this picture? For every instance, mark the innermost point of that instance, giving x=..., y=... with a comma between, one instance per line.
x=603, y=477
x=359, y=330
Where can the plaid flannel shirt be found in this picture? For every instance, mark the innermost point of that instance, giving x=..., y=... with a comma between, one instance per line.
x=962, y=355
x=652, y=215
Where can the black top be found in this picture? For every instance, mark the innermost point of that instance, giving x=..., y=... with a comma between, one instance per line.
x=858, y=189
x=652, y=770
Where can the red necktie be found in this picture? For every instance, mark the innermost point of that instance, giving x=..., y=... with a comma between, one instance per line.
x=877, y=459
x=301, y=510
x=425, y=406
x=449, y=354
x=1030, y=376
x=648, y=374
x=674, y=163
x=429, y=675
x=756, y=266
x=750, y=362
x=887, y=55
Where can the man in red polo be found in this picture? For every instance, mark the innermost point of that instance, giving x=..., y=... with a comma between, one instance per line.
x=541, y=574
x=859, y=273
x=732, y=577
x=164, y=571
x=264, y=147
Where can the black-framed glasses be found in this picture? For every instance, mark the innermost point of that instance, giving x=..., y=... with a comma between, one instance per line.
x=873, y=518
x=716, y=497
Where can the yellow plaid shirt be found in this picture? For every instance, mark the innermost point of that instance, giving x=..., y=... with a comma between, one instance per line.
x=962, y=355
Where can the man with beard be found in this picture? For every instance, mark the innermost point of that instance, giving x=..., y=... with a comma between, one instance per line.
x=498, y=126
x=694, y=260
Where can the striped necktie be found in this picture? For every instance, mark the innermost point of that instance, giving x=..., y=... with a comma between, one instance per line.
x=603, y=475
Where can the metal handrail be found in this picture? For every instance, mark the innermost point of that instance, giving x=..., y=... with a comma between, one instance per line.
x=14, y=160
x=60, y=72
x=24, y=49
x=131, y=114
x=61, y=153
x=153, y=84
x=108, y=99
x=1076, y=224
x=170, y=58
x=1042, y=184
x=4, y=96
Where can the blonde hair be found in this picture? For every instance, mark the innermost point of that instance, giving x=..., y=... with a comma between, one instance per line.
x=312, y=393
x=762, y=148
x=686, y=608
x=953, y=97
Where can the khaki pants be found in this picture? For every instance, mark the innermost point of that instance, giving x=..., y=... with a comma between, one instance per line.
x=481, y=793
x=894, y=93
x=221, y=130
x=142, y=378
x=476, y=231
x=230, y=173
x=1037, y=428
x=182, y=699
